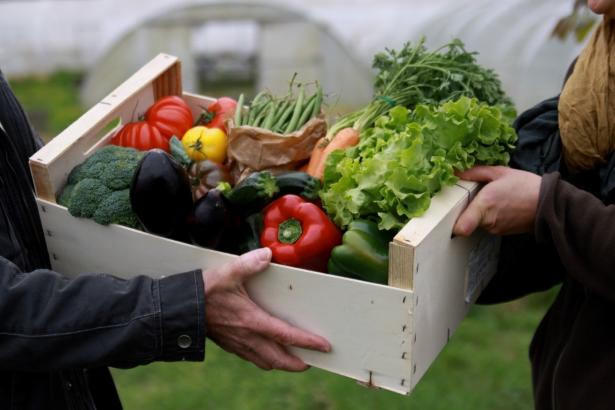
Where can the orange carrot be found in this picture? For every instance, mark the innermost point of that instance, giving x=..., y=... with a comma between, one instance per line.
x=345, y=138
x=316, y=156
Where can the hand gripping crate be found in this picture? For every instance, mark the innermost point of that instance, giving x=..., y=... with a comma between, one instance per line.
x=382, y=336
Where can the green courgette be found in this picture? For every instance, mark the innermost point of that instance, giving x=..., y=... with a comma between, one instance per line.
x=253, y=193
x=298, y=183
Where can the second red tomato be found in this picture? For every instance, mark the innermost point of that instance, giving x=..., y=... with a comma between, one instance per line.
x=218, y=112
x=140, y=135
x=171, y=115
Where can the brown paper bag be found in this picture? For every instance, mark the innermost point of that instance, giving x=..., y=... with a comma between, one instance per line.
x=253, y=149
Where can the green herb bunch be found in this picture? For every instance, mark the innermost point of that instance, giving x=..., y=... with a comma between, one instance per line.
x=414, y=75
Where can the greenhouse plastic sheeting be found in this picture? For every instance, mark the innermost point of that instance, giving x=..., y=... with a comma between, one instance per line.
x=512, y=36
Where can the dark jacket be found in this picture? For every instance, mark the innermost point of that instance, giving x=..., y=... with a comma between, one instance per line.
x=59, y=334
x=573, y=350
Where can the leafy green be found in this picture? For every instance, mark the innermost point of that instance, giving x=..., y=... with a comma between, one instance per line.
x=414, y=75
x=408, y=156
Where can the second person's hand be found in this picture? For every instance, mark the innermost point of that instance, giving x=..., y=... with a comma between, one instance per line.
x=240, y=326
x=506, y=205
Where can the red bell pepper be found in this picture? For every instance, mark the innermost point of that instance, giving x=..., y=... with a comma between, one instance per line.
x=299, y=233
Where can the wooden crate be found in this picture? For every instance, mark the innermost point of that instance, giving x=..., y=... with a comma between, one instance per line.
x=383, y=336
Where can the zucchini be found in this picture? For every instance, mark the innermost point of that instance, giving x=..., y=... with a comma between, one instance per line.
x=298, y=183
x=254, y=192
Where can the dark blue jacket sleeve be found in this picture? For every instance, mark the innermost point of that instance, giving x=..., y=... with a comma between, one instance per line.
x=50, y=322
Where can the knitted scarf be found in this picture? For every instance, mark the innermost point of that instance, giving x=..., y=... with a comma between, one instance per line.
x=587, y=103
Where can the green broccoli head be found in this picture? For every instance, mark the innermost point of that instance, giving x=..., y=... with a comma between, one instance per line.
x=64, y=197
x=97, y=181
x=116, y=209
x=113, y=165
x=85, y=197
x=117, y=175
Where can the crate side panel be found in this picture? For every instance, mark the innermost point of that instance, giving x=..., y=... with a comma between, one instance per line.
x=368, y=325
x=169, y=82
x=440, y=286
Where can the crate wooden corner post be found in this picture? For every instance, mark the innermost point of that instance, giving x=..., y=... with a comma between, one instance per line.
x=445, y=274
x=51, y=164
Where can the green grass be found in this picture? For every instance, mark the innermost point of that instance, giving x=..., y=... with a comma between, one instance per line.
x=51, y=102
x=484, y=366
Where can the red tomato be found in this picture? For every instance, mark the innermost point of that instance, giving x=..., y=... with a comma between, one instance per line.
x=171, y=115
x=140, y=135
x=218, y=112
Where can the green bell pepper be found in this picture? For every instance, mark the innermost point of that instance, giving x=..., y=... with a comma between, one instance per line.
x=363, y=254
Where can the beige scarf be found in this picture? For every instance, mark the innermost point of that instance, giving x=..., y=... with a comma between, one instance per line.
x=587, y=103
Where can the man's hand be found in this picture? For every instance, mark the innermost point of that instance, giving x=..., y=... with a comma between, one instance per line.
x=506, y=205
x=240, y=326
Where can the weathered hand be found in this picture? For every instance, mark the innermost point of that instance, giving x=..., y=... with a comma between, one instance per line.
x=240, y=326
x=506, y=205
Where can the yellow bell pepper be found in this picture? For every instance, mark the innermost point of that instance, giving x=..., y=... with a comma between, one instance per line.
x=203, y=143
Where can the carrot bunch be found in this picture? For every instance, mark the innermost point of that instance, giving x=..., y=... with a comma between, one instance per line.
x=345, y=138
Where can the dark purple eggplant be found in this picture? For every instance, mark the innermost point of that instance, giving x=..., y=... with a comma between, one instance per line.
x=160, y=195
x=212, y=223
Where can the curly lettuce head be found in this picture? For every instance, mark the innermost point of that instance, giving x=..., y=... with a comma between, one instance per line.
x=401, y=163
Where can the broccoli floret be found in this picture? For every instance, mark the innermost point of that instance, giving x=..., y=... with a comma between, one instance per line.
x=99, y=187
x=85, y=197
x=115, y=209
x=118, y=174
x=74, y=176
x=113, y=165
x=64, y=198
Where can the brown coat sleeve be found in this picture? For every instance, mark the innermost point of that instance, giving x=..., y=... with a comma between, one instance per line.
x=582, y=229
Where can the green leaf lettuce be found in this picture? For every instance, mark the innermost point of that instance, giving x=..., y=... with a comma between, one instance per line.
x=408, y=156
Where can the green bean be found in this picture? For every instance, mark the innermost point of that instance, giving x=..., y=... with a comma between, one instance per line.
x=253, y=105
x=238, y=110
x=279, y=125
x=307, y=113
x=255, y=111
x=292, y=125
x=258, y=97
x=318, y=104
x=281, y=109
x=262, y=113
x=269, y=118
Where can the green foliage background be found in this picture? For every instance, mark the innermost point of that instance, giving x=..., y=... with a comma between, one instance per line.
x=484, y=366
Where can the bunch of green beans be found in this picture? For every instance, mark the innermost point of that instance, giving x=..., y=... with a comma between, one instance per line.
x=281, y=115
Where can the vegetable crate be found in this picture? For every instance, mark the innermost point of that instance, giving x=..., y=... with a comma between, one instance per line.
x=382, y=336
